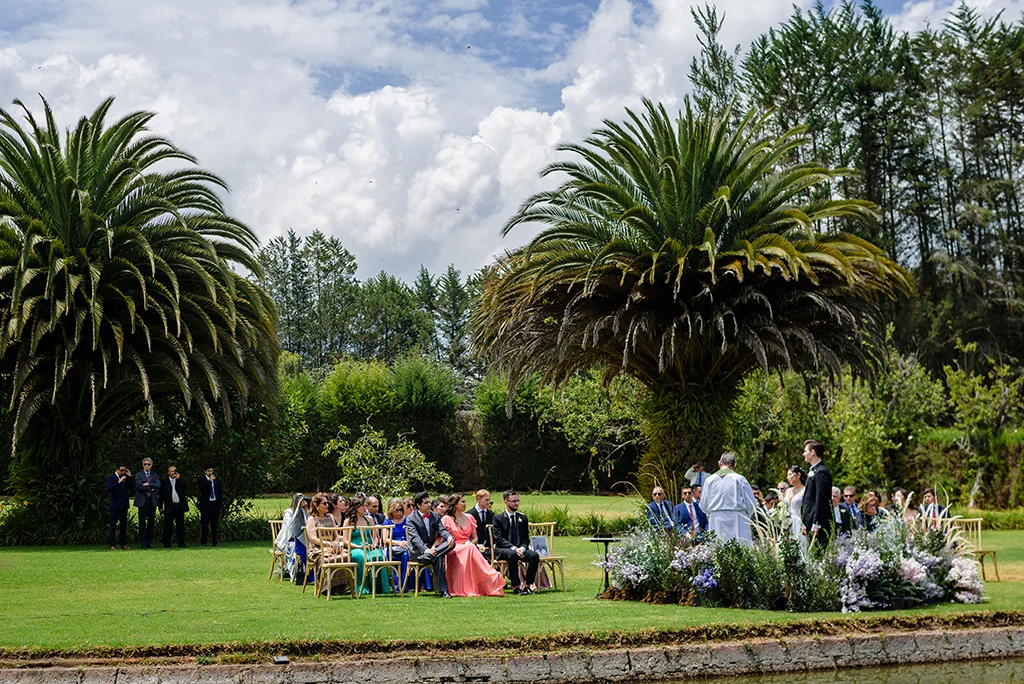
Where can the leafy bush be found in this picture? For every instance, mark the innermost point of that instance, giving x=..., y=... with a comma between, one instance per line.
x=373, y=464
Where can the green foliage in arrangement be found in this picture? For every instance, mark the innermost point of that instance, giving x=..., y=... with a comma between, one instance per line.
x=374, y=465
x=119, y=298
x=684, y=251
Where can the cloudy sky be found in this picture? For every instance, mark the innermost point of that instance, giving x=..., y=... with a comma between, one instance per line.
x=409, y=129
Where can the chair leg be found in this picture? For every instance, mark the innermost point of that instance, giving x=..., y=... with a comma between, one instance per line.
x=561, y=571
x=995, y=566
x=273, y=564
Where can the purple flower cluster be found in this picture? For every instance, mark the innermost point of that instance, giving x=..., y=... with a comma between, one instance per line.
x=864, y=564
x=963, y=575
x=705, y=580
x=912, y=571
x=698, y=556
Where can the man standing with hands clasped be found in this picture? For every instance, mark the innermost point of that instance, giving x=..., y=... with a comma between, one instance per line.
x=173, y=505
x=817, y=507
x=147, y=500
x=211, y=492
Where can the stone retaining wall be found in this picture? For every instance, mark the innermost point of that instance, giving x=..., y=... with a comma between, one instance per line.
x=675, y=662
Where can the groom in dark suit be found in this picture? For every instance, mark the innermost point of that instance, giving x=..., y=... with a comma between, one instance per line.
x=817, y=507
x=512, y=544
x=428, y=540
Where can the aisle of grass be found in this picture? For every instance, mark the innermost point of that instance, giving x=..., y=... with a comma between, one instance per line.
x=67, y=598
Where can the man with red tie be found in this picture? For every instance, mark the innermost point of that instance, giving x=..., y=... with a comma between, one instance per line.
x=687, y=515
x=429, y=540
x=147, y=500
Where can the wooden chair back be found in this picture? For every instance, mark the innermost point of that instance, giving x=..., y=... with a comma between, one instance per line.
x=546, y=530
x=277, y=556
x=970, y=530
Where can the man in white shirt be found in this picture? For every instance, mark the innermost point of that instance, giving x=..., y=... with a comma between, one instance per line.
x=728, y=501
x=173, y=506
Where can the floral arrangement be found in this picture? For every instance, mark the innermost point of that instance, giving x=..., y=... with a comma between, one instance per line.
x=895, y=566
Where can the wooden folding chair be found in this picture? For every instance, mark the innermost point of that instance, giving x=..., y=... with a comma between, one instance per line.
x=970, y=528
x=547, y=530
x=276, y=556
x=335, y=556
x=381, y=538
x=416, y=570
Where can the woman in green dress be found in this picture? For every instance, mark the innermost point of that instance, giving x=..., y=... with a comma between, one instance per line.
x=363, y=542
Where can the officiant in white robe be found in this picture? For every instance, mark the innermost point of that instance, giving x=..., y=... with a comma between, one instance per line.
x=728, y=501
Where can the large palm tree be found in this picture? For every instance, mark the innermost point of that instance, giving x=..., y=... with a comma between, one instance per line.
x=684, y=252
x=117, y=294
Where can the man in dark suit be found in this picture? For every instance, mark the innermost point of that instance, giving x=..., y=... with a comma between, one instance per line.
x=147, y=500
x=817, y=507
x=428, y=540
x=117, y=487
x=512, y=544
x=173, y=505
x=687, y=514
x=484, y=516
x=211, y=493
x=659, y=510
x=842, y=517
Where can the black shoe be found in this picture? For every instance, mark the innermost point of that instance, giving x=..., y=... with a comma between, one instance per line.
x=520, y=592
x=446, y=595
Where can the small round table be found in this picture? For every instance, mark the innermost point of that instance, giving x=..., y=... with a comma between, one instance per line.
x=606, y=541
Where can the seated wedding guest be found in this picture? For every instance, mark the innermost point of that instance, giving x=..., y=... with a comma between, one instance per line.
x=373, y=508
x=512, y=544
x=469, y=573
x=484, y=516
x=758, y=497
x=319, y=516
x=898, y=497
x=365, y=543
x=300, y=539
x=399, y=545
x=429, y=540
x=698, y=492
x=440, y=505
x=337, y=510
x=782, y=487
x=871, y=513
x=841, y=515
x=687, y=515
x=771, y=500
x=659, y=510
x=291, y=523
x=850, y=499
x=930, y=508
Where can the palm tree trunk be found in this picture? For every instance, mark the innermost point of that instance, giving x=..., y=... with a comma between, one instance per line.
x=683, y=428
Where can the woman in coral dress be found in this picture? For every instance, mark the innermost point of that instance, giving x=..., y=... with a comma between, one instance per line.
x=469, y=573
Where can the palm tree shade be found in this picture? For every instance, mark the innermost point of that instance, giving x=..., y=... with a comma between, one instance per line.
x=117, y=292
x=685, y=252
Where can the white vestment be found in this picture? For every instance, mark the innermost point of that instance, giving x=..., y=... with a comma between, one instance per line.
x=729, y=502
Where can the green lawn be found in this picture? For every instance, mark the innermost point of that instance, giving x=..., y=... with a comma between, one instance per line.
x=576, y=504
x=68, y=598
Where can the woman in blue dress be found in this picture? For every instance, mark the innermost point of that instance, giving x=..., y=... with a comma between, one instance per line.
x=399, y=545
x=362, y=545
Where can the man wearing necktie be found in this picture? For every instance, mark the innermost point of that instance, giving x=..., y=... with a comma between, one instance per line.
x=147, y=500
x=211, y=494
x=659, y=511
x=512, y=544
x=687, y=516
x=429, y=540
x=173, y=505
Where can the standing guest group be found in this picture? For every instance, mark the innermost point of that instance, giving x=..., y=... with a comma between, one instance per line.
x=456, y=544
x=727, y=504
x=168, y=495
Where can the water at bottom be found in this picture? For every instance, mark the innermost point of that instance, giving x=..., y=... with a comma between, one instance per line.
x=1009, y=671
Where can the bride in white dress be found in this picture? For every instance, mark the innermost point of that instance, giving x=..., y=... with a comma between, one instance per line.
x=795, y=498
